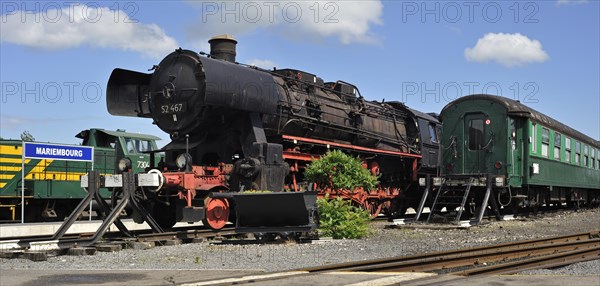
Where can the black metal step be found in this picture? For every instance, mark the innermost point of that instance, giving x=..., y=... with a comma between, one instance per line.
x=451, y=197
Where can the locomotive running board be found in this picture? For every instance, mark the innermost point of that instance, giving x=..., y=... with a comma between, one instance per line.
x=274, y=212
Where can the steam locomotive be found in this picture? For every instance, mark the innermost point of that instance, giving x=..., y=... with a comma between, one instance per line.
x=236, y=128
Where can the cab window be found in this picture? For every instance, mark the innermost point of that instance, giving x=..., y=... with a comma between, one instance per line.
x=138, y=145
x=433, y=133
x=105, y=140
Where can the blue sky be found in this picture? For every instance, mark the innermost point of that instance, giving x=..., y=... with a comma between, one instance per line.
x=55, y=59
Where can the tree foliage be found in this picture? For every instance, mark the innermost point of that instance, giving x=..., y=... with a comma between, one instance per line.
x=338, y=170
x=26, y=136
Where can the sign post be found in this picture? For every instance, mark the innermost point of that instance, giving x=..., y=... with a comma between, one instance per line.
x=35, y=150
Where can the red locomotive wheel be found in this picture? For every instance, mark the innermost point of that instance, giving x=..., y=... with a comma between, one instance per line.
x=217, y=212
x=374, y=208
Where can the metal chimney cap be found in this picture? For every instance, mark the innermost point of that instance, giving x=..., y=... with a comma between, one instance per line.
x=226, y=37
x=222, y=47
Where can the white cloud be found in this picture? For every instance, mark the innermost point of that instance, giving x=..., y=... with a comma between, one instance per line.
x=507, y=49
x=567, y=2
x=346, y=21
x=79, y=25
x=265, y=64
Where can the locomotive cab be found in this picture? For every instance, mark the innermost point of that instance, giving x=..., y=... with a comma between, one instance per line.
x=132, y=147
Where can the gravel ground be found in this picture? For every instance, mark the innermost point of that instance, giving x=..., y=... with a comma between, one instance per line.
x=383, y=242
x=583, y=268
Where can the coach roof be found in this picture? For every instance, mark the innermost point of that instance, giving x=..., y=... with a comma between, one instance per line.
x=516, y=108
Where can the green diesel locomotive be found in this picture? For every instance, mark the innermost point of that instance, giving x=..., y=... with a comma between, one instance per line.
x=52, y=187
x=502, y=154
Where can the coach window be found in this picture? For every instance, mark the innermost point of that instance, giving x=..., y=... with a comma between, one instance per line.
x=557, y=146
x=593, y=157
x=533, y=137
x=513, y=134
x=577, y=152
x=475, y=134
x=545, y=141
x=568, y=149
x=585, y=156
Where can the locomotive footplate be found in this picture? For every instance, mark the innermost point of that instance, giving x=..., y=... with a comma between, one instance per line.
x=274, y=211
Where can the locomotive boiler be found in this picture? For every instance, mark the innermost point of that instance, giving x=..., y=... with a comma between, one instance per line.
x=236, y=128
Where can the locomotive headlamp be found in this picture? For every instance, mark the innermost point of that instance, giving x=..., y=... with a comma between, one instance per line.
x=183, y=160
x=124, y=165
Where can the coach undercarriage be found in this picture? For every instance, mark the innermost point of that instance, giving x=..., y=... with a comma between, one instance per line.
x=470, y=197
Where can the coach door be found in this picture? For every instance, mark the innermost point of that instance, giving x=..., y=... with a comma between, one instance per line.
x=474, y=144
x=515, y=165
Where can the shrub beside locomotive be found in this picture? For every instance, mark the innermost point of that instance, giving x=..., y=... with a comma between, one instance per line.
x=52, y=188
x=236, y=127
x=498, y=150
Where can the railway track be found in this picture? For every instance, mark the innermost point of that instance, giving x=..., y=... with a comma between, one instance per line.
x=185, y=234
x=39, y=248
x=494, y=259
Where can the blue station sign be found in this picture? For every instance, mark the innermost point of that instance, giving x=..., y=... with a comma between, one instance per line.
x=58, y=152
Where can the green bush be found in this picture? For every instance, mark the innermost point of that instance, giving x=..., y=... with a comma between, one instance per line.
x=337, y=170
x=339, y=219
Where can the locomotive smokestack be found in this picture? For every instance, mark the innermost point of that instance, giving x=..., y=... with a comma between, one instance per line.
x=223, y=47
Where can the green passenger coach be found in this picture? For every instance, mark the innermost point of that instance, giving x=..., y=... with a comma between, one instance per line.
x=52, y=187
x=500, y=153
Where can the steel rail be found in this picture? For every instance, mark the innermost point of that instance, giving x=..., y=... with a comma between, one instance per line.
x=155, y=237
x=546, y=261
x=477, y=258
x=186, y=234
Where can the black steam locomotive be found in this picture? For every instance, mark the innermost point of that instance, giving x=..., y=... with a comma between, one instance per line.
x=236, y=128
